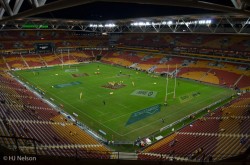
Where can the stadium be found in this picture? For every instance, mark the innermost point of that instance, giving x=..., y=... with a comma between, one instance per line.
x=143, y=89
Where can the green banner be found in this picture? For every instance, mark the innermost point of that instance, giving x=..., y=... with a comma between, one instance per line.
x=142, y=114
x=67, y=85
x=144, y=93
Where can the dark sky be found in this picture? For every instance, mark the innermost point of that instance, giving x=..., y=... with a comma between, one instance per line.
x=108, y=11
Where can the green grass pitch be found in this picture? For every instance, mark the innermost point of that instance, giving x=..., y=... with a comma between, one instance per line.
x=59, y=83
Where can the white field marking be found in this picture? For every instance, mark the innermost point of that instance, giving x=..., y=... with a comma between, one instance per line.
x=123, y=106
x=114, y=118
x=176, y=111
x=136, y=111
x=192, y=105
x=122, y=114
x=170, y=93
x=81, y=112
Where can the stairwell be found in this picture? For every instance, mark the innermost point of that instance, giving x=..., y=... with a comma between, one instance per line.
x=57, y=56
x=43, y=61
x=73, y=57
x=25, y=61
x=93, y=55
x=6, y=62
x=238, y=80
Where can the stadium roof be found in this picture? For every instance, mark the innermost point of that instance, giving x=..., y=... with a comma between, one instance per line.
x=123, y=15
x=12, y=9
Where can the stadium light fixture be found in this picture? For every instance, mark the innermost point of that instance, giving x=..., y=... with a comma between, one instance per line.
x=141, y=24
x=110, y=25
x=202, y=22
x=170, y=22
x=92, y=25
x=164, y=23
x=208, y=21
x=157, y=23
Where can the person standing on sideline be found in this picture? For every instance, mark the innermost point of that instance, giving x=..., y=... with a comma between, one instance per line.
x=104, y=103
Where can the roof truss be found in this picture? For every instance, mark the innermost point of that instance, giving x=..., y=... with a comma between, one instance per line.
x=232, y=24
x=34, y=7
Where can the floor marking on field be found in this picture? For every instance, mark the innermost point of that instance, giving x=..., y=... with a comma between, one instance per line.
x=122, y=115
x=170, y=93
x=176, y=111
x=81, y=112
x=172, y=114
x=114, y=118
x=99, y=111
x=123, y=105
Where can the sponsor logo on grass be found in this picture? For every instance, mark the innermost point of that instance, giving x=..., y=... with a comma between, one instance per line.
x=80, y=75
x=144, y=93
x=142, y=114
x=67, y=85
x=71, y=70
x=188, y=97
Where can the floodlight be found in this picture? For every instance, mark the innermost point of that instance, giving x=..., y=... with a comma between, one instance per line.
x=164, y=23
x=110, y=25
x=141, y=23
x=169, y=22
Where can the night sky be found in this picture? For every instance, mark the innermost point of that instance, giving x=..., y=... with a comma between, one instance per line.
x=111, y=11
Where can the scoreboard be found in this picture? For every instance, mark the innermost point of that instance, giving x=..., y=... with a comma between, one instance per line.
x=44, y=47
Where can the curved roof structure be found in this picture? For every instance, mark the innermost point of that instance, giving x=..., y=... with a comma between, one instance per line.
x=218, y=16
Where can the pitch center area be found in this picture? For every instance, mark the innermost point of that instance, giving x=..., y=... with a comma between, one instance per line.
x=107, y=97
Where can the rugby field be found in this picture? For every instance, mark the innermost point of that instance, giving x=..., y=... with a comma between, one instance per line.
x=123, y=103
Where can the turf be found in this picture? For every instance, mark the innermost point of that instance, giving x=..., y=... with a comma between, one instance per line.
x=100, y=110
